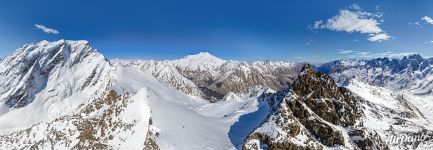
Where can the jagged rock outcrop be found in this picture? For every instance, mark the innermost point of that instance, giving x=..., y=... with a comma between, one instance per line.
x=314, y=113
x=101, y=124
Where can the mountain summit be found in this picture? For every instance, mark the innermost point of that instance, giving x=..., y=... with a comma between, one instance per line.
x=203, y=61
x=33, y=67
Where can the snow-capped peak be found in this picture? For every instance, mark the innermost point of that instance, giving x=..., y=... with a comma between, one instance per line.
x=203, y=56
x=28, y=70
x=45, y=52
x=413, y=57
x=201, y=61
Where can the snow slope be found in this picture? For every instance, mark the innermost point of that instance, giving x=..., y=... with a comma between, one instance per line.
x=43, y=81
x=184, y=122
x=391, y=113
x=68, y=96
x=397, y=93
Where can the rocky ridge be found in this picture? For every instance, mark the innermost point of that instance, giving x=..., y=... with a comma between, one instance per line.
x=314, y=114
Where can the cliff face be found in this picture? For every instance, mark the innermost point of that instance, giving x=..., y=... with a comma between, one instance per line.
x=61, y=67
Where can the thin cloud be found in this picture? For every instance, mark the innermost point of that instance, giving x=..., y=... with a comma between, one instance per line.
x=346, y=51
x=46, y=29
x=355, y=7
x=416, y=24
x=370, y=55
x=363, y=53
x=390, y=55
x=309, y=42
x=379, y=37
x=427, y=20
x=428, y=42
x=353, y=53
x=355, y=20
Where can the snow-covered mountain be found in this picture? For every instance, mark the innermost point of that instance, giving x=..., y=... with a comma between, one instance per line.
x=397, y=92
x=211, y=78
x=57, y=69
x=66, y=95
x=412, y=72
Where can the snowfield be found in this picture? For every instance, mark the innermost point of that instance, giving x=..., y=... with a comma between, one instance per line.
x=183, y=122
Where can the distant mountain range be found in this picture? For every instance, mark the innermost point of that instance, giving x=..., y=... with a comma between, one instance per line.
x=66, y=95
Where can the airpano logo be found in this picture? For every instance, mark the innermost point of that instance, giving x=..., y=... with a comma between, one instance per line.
x=406, y=139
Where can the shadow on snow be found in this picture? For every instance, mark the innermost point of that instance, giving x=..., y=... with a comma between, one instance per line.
x=246, y=124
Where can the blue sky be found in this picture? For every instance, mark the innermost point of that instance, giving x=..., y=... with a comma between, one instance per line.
x=230, y=29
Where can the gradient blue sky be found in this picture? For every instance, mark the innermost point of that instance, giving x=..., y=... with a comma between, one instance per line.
x=230, y=29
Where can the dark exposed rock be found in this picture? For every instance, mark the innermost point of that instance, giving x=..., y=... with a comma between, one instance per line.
x=320, y=93
x=94, y=132
x=314, y=106
x=367, y=140
x=270, y=145
x=235, y=79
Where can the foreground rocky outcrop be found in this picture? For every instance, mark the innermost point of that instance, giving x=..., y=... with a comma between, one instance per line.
x=104, y=123
x=313, y=114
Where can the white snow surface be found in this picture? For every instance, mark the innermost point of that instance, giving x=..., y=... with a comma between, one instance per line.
x=385, y=105
x=80, y=75
x=203, y=61
x=64, y=87
x=183, y=121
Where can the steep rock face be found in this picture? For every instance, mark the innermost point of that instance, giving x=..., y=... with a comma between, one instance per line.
x=334, y=104
x=48, y=80
x=314, y=114
x=62, y=92
x=33, y=67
